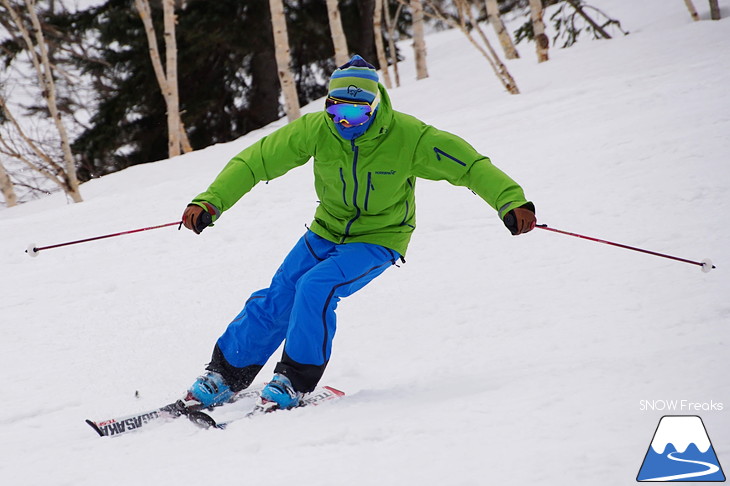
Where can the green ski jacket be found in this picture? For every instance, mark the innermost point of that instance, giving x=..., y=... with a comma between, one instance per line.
x=366, y=187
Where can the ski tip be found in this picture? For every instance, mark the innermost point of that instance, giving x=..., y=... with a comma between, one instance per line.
x=93, y=425
x=337, y=392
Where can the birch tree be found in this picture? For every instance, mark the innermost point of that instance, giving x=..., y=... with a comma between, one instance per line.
x=283, y=59
x=714, y=10
x=465, y=21
x=54, y=161
x=379, y=48
x=6, y=188
x=571, y=19
x=538, y=26
x=339, y=40
x=419, y=42
x=390, y=25
x=504, y=38
x=177, y=140
x=692, y=10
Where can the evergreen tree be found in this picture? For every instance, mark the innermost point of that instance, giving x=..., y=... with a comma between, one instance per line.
x=227, y=72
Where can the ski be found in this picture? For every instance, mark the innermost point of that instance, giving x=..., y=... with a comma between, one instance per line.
x=116, y=426
x=243, y=405
x=207, y=420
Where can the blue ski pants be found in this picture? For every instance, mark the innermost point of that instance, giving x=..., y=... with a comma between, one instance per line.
x=299, y=308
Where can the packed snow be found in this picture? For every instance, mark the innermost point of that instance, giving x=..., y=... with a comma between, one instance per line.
x=485, y=359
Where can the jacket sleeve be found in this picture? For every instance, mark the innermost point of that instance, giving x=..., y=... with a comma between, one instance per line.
x=441, y=155
x=270, y=157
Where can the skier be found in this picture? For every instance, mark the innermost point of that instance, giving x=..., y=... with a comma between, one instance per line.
x=367, y=157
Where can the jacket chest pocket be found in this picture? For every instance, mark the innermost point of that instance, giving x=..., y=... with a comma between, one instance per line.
x=383, y=190
x=369, y=188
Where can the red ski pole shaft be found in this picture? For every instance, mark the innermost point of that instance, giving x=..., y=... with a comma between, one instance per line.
x=85, y=240
x=706, y=264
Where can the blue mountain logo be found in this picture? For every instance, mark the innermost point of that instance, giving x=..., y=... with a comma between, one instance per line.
x=681, y=451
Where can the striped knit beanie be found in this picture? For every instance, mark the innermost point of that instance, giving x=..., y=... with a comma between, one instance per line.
x=357, y=81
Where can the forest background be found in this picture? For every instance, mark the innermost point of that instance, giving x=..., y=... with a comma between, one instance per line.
x=90, y=88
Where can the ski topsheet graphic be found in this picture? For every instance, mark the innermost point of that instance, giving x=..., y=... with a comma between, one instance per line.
x=681, y=451
x=242, y=407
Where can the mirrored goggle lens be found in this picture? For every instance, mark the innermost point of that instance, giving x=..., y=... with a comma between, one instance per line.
x=348, y=114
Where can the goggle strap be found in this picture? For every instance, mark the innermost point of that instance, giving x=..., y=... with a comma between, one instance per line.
x=372, y=105
x=375, y=102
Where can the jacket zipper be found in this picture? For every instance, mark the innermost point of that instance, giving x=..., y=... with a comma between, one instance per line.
x=344, y=187
x=355, y=150
x=369, y=188
x=405, y=217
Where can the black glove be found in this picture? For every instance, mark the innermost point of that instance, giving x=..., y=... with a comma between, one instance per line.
x=521, y=220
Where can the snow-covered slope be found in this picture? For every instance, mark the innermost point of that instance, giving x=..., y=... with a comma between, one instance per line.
x=486, y=359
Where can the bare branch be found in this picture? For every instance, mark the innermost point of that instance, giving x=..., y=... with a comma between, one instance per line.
x=497, y=65
x=64, y=175
x=500, y=70
x=72, y=184
x=37, y=151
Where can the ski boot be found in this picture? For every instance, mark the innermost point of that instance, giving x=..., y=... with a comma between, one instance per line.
x=208, y=391
x=278, y=394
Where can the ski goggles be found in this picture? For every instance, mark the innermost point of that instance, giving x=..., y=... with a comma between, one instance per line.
x=350, y=113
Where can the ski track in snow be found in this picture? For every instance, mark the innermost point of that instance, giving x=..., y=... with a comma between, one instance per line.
x=486, y=359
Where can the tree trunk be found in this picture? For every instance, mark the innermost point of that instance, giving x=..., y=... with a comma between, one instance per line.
x=70, y=180
x=390, y=26
x=166, y=76
x=379, y=48
x=283, y=59
x=504, y=38
x=6, y=187
x=538, y=27
x=419, y=44
x=466, y=24
x=171, y=96
x=465, y=14
x=338, y=34
x=692, y=10
x=596, y=28
x=33, y=153
x=714, y=10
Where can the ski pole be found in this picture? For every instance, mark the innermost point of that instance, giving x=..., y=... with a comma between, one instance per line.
x=33, y=250
x=705, y=264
